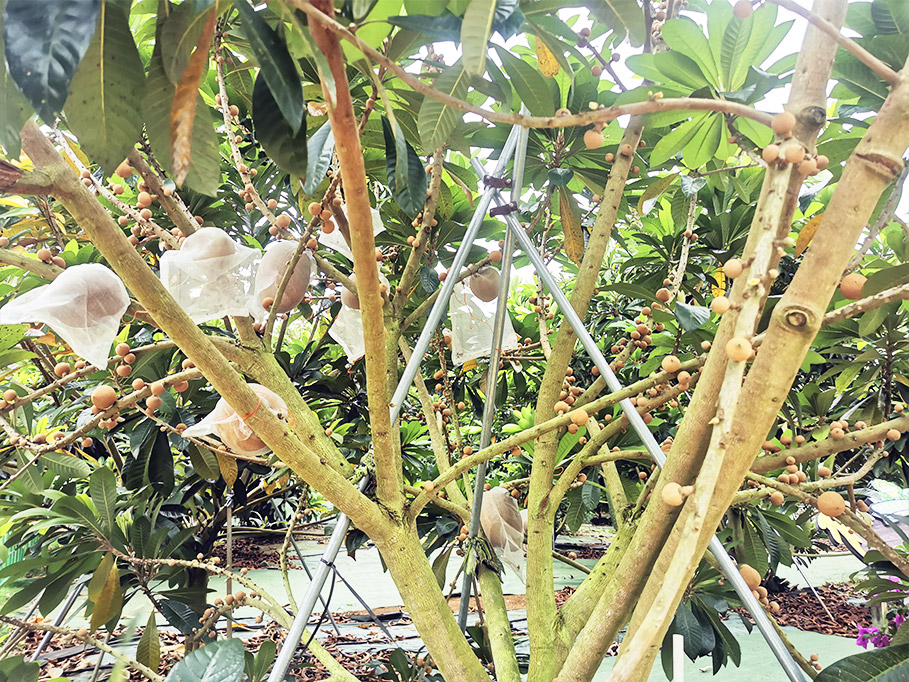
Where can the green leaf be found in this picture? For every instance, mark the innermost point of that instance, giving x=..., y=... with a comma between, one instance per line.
x=14, y=108
x=651, y=194
x=179, y=34
x=890, y=664
x=179, y=615
x=66, y=465
x=102, y=109
x=44, y=43
x=436, y=120
x=276, y=64
x=102, y=486
x=560, y=177
x=148, y=651
x=744, y=41
x=686, y=37
x=623, y=16
x=11, y=334
x=429, y=279
x=288, y=149
x=439, y=566
x=15, y=669
x=404, y=174
x=847, y=375
x=577, y=513
x=753, y=550
x=704, y=145
x=669, y=145
x=321, y=146
x=205, y=169
x=531, y=85
x=105, y=593
x=691, y=186
x=222, y=661
x=204, y=462
x=475, y=29
x=691, y=317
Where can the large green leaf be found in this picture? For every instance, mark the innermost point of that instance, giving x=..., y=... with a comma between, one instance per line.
x=179, y=34
x=691, y=317
x=14, y=109
x=321, y=146
x=703, y=145
x=671, y=144
x=404, y=173
x=743, y=42
x=475, y=28
x=686, y=37
x=288, y=149
x=44, y=43
x=531, y=85
x=103, y=488
x=276, y=64
x=205, y=171
x=890, y=664
x=436, y=120
x=66, y=465
x=148, y=651
x=622, y=16
x=102, y=109
x=222, y=661
x=15, y=669
x=753, y=550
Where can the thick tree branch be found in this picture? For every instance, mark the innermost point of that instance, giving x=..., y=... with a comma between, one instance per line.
x=110, y=240
x=389, y=473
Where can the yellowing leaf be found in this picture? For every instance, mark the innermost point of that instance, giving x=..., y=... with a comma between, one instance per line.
x=469, y=365
x=228, y=467
x=573, y=236
x=18, y=202
x=186, y=96
x=652, y=193
x=807, y=234
x=549, y=66
x=104, y=592
x=719, y=289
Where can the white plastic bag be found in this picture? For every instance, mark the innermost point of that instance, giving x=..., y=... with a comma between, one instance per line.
x=83, y=306
x=232, y=429
x=503, y=526
x=211, y=275
x=270, y=273
x=471, y=326
x=348, y=328
x=335, y=240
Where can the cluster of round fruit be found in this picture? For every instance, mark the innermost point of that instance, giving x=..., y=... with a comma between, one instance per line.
x=792, y=152
x=753, y=579
x=568, y=395
x=44, y=255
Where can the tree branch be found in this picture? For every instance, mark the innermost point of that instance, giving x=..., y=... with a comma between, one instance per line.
x=389, y=472
x=586, y=119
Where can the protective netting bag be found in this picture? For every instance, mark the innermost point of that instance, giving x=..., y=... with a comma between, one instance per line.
x=471, y=326
x=83, y=306
x=347, y=329
x=270, y=273
x=231, y=427
x=211, y=275
x=503, y=526
x=335, y=240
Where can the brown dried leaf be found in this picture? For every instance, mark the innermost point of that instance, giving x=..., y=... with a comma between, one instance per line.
x=807, y=234
x=186, y=96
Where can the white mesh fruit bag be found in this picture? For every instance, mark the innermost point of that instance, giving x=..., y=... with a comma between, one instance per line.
x=471, y=326
x=270, y=273
x=83, y=306
x=211, y=275
x=232, y=428
x=503, y=526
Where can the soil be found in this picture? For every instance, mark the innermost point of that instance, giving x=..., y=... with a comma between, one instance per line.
x=801, y=609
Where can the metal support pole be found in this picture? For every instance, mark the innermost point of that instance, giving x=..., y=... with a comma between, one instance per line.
x=492, y=373
x=439, y=308
x=295, y=634
x=48, y=636
x=637, y=423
